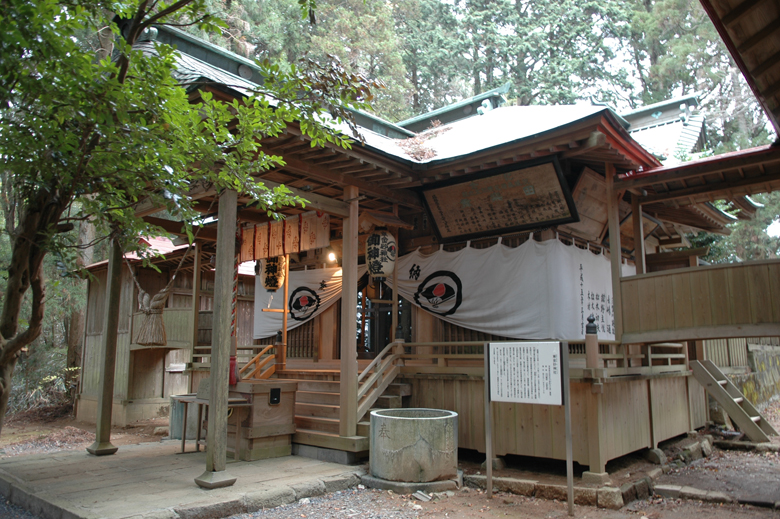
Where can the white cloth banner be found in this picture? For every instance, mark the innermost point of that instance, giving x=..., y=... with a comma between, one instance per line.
x=311, y=292
x=539, y=290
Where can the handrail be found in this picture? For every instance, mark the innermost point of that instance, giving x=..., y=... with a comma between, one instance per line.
x=374, y=362
x=255, y=360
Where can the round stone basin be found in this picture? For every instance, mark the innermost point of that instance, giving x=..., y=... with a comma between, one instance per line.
x=414, y=445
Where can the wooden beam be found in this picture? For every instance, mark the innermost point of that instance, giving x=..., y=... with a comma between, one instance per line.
x=707, y=167
x=315, y=201
x=349, y=368
x=195, y=305
x=738, y=12
x=177, y=228
x=405, y=198
x=613, y=208
x=717, y=190
x=594, y=141
x=759, y=36
x=765, y=65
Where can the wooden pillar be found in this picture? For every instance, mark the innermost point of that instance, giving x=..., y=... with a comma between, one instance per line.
x=195, y=304
x=103, y=445
x=639, y=234
x=614, y=248
x=349, y=371
x=394, y=320
x=286, y=312
x=596, y=435
x=215, y=475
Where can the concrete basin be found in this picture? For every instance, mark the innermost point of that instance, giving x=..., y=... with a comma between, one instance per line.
x=414, y=445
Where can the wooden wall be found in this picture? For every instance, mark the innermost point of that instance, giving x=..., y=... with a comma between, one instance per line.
x=701, y=303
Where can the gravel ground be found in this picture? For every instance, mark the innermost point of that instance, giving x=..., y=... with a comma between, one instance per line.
x=9, y=511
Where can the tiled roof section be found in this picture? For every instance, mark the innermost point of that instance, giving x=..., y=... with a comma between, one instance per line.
x=194, y=73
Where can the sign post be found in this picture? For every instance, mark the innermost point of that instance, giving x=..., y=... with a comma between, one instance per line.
x=528, y=373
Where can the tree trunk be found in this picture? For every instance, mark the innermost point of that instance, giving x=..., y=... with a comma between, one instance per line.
x=6, y=375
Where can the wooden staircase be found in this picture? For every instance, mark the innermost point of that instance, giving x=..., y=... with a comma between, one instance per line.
x=739, y=409
x=317, y=413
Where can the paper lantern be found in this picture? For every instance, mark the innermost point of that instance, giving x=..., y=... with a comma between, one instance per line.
x=381, y=251
x=272, y=273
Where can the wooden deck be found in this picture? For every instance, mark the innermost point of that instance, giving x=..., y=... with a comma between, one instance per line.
x=713, y=302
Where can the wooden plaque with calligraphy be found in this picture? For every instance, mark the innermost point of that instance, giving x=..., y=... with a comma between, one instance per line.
x=502, y=200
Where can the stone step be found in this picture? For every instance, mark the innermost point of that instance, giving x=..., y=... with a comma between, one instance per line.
x=399, y=389
x=388, y=402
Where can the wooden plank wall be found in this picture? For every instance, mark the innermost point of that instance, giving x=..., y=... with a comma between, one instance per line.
x=626, y=417
x=669, y=407
x=539, y=431
x=703, y=302
x=727, y=353
x=697, y=403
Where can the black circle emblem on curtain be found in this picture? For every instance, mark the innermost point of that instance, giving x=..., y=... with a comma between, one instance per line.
x=441, y=293
x=303, y=303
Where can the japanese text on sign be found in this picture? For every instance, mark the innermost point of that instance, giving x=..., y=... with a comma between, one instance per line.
x=526, y=372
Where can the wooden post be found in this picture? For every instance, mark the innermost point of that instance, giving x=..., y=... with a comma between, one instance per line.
x=195, y=305
x=639, y=234
x=348, y=386
x=215, y=475
x=103, y=445
x=596, y=461
x=615, y=254
x=394, y=320
x=591, y=346
x=286, y=308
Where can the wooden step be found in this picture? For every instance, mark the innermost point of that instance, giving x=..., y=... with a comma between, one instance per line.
x=318, y=410
x=318, y=386
x=313, y=423
x=399, y=389
x=314, y=397
x=738, y=400
x=310, y=374
x=364, y=429
x=331, y=441
x=755, y=419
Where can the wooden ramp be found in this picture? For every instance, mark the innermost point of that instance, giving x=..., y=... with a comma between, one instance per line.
x=739, y=409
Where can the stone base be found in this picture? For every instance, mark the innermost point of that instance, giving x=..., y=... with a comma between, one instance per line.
x=102, y=448
x=498, y=464
x=595, y=478
x=325, y=454
x=400, y=487
x=211, y=480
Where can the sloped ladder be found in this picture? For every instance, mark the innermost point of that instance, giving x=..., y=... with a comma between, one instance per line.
x=739, y=408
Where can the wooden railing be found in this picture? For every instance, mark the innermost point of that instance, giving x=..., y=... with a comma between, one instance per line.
x=716, y=301
x=614, y=359
x=379, y=374
x=254, y=368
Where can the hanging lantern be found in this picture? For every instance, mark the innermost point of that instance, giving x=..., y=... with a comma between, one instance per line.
x=381, y=251
x=272, y=273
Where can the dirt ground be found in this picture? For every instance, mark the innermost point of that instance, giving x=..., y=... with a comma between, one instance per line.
x=743, y=475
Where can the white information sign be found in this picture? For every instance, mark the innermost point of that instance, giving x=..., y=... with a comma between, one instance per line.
x=526, y=372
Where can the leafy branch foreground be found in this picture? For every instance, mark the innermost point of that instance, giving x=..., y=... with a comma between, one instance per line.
x=87, y=139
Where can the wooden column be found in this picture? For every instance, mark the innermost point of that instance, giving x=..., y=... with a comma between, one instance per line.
x=215, y=475
x=614, y=247
x=639, y=234
x=596, y=435
x=103, y=445
x=394, y=319
x=195, y=304
x=349, y=371
x=282, y=353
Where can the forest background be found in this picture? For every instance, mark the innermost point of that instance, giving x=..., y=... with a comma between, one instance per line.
x=431, y=53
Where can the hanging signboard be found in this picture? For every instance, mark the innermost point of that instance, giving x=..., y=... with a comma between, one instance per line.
x=294, y=234
x=502, y=200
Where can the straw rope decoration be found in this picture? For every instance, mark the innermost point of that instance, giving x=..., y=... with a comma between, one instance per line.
x=152, y=332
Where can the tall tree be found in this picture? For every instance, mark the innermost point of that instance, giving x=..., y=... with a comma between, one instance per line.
x=361, y=34
x=428, y=34
x=86, y=139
